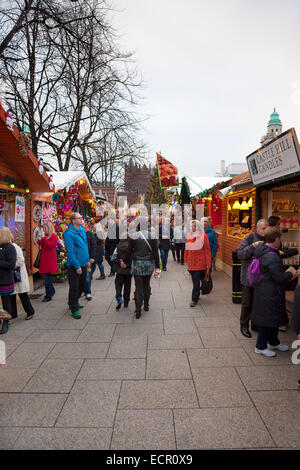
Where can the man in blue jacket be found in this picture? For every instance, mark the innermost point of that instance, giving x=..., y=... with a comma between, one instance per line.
x=212, y=238
x=77, y=261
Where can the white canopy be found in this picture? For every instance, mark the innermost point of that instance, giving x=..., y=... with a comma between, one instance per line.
x=198, y=184
x=65, y=179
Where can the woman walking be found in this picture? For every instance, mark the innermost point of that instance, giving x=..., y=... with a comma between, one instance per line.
x=48, y=260
x=198, y=258
x=144, y=257
x=21, y=287
x=8, y=258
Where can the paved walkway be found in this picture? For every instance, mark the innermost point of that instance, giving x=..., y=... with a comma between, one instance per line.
x=177, y=378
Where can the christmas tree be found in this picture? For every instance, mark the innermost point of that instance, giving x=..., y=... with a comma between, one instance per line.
x=155, y=194
x=185, y=195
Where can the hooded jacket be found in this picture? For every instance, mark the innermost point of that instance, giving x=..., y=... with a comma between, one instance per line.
x=213, y=240
x=77, y=247
x=269, y=301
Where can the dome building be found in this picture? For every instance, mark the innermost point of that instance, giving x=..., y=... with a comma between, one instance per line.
x=274, y=128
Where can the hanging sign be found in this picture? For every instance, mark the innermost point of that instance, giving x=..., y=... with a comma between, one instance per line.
x=4, y=205
x=275, y=160
x=20, y=209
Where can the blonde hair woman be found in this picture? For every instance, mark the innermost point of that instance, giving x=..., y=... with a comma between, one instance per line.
x=7, y=265
x=48, y=259
x=21, y=287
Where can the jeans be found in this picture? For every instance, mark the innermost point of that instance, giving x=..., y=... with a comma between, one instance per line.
x=164, y=256
x=77, y=284
x=50, y=291
x=267, y=335
x=28, y=308
x=120, y=281
x=89, y=277
x=197, y=277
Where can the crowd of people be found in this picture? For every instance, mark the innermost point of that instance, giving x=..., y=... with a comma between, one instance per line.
x=142, y=251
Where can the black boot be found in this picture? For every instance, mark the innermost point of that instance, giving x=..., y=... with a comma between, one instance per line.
x=4, y=328
x=138, y=313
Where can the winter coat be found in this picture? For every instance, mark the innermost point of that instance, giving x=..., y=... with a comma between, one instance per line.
x=245, y=253
x=139, y=250
x=165, y=236
x=22, y=286
x=48, y=261
x=213, y=240
x=8, y=258
x=77, y=247
x=120, y=253
x=99, y=248
x=112, y=238
x=92, y=244
x=179, y=235
x=269, y=301
x=197, y=253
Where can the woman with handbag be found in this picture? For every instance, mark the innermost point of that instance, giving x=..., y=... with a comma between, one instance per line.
x=143, y=255
x=8, y=258
x=197, y=255
x=48, y=258
x=21, y=285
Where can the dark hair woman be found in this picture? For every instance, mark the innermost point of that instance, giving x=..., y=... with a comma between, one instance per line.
x=8, y=258
x=48, y=263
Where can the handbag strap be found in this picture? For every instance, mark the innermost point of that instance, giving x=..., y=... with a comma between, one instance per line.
x=149, y=246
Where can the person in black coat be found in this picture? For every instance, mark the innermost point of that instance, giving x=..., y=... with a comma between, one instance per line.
x=99, y=251
x=111, y=242
x=8, y=257
x=123, y=277
x=268, y=305
x=92, y=245
x=165, y=237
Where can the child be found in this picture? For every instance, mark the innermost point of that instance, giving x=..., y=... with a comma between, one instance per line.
x=123, y=277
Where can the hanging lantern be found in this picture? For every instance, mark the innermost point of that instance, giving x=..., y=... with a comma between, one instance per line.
x=51, y=184
x=236, y=205
x=41, y=167
x=250, y=202
x=244, y=206
x=229, y=206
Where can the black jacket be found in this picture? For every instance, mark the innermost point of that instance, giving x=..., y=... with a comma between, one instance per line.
x=245, y=254
x=99, y=252
x=164, y=243
x=92, y=244
x=269, y=301
x=139, y=250
x=112, y=238
x=8, y=257
x=122, y=249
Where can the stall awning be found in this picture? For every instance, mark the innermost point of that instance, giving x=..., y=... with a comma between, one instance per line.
x=65, y=179
x=26, y=167
x=198, y=184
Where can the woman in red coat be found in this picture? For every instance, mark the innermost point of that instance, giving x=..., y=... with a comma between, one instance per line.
x=197, y=255
x=48, y=260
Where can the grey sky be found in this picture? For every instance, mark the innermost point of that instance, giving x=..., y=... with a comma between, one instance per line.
x=214, y=69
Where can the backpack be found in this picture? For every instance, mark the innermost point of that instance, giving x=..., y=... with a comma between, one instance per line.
x=254, y=273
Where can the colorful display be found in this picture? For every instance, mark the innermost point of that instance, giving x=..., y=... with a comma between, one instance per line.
x=168, y=173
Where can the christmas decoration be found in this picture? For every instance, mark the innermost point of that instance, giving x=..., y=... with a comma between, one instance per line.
x=51, y=184
x=185, y=194
x=155, y=194
x=9, y=181
x=24, y=143
x=41, y=167
x=9, y=121
x=168, y=173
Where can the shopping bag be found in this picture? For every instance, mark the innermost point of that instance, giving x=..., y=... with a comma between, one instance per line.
x=36, y=264
x=207, y=283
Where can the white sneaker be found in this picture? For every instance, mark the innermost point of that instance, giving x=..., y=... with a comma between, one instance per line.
x=265, y=352
x=89, y=296
x=282, y=328
x=280, y=347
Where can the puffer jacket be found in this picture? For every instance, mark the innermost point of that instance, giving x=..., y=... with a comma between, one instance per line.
x=197, y=253
x=213, y=240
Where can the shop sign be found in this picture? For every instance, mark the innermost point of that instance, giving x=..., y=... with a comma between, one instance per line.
x=3, y=205
x=20, y=209
x=275, y=160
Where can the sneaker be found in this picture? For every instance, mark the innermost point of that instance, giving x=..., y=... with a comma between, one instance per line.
x=80, y=306
x=265, y=352
x=76, y=315
x=89, y=296
x=125, y=305
x=193, y=304
x=280, y=347
x=282, y=328
x=119, y=303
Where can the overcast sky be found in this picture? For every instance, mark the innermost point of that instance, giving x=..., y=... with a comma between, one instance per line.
x=214, y=69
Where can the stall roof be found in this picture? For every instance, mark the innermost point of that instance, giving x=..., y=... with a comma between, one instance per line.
x=25, y=167
x=200, y=183
x=65, y=179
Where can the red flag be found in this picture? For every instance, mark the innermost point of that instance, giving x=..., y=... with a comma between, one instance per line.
x=168, y=173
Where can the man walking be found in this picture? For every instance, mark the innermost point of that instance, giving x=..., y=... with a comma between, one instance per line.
x=212, y=238
x=77, y=261
x=245, y=254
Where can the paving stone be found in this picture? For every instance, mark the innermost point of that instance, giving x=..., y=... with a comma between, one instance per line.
x=280, y=412
x=153, y=316
x=64, y=439
x=259, y=359
x=79, y=351
x=14, y=380
x=53, y=336
x=112, y=317
x=68, y=323
x=96, y=334
x=136, y=329
x=54, y=376
x=29, y=355
x=168, y=365
x=8, y=437
x=227, y=357
x=34, y=325
x=218, y=338
x=16, y=336
x=113, y=369
x=128, y=347
x=221, y=428
x=90, y=404
x=22, y=409
x=270, y=377
x=184, y=313
x=184, y=326
x=215, y=321
x=174, y=342
x=144, y=430
x=220, y=388
x=158, y=394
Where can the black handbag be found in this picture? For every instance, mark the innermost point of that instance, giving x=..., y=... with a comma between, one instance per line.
x=17, y=275
x=36, y=264
x=207, y=284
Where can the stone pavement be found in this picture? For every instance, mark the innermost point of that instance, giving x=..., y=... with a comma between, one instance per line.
x=177, y=378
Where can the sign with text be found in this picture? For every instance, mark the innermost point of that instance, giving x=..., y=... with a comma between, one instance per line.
x=3, y=205
x=277, y=159
x=20, y=209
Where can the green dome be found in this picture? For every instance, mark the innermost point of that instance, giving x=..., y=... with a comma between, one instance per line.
x=274, y=119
